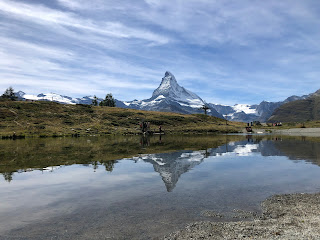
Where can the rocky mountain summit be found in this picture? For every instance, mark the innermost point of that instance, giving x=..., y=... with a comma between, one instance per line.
x=171, y=97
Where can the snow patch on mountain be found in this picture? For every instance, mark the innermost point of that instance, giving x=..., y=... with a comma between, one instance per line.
x=51, y=97
x=153, y=102
x=245, y=108
x=54, y=97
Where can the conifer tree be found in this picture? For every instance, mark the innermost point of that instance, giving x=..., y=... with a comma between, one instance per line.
x=9, y=95
x=95, y=101
x=108, y=101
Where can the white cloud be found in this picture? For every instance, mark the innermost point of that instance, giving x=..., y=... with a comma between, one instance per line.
x=47, y=16
x=215, y=48
x=73, y=4
x=24, y=48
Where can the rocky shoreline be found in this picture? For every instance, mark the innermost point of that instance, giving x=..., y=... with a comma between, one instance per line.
x=308, y=132
x=289, y=216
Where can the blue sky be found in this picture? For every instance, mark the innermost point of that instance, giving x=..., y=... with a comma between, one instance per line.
x=226, y=51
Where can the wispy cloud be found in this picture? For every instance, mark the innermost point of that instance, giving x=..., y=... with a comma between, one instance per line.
x=226, y=51
x=47, y=16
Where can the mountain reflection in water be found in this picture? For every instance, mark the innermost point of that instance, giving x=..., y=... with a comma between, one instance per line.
x=93, y=188
x=170, y=163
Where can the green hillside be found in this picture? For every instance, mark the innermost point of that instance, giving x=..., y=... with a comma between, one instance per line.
x=298, y=111
x=53, y=119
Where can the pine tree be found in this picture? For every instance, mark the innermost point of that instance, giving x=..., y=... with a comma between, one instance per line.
x=108, y=101
x=9, y=95
x=95, y=101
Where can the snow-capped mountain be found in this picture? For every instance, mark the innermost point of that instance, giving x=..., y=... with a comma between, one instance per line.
x=54, y=97
x=238, y=112
x=249, y=113
x=168, y=97
x=171, y=97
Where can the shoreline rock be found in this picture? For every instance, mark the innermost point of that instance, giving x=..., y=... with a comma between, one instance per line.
x=289, y=216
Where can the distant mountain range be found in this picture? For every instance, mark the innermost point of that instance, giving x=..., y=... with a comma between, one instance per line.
x=303, y=110
x=249, y=113
x=171, y=97
x=168, y=97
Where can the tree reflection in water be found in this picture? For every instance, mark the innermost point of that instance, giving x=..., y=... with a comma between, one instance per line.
x=171, y=156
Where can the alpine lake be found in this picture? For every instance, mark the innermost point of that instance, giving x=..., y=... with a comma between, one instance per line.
x=135, y=187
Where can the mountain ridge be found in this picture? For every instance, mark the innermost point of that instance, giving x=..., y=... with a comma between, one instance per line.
x=171, y=97
x=302, y=110
x=257, y=112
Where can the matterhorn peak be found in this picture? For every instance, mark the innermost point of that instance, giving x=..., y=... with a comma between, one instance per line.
x=168, y=85
x=168, y=74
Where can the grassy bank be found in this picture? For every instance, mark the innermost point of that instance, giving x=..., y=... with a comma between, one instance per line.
x=19, y=156
x=49, y=119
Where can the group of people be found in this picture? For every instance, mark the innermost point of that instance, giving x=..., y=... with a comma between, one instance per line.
x=145, y=127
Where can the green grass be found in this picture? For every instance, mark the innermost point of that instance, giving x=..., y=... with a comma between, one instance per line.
x=49, y=119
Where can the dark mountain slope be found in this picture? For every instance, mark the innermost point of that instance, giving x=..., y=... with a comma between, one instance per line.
x=298, y=111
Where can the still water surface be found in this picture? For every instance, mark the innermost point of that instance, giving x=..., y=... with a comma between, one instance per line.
x=138, y=188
